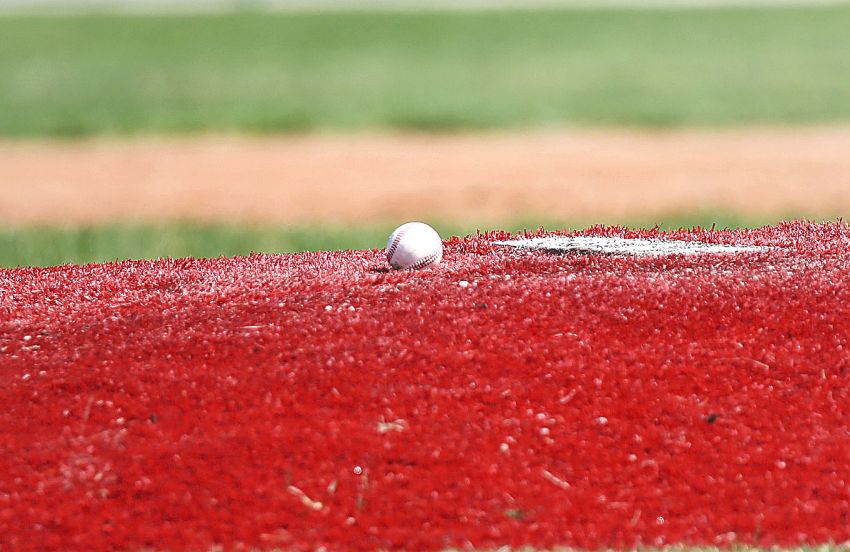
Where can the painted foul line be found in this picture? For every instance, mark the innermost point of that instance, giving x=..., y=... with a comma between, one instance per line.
x=623, y=246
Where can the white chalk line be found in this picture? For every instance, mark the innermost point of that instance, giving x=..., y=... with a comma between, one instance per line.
x=630, y=247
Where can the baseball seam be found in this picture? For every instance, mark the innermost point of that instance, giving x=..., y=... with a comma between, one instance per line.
x=425, y=261
x=394, y=246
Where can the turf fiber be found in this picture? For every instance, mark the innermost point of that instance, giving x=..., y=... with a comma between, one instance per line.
x=261, y=72
x=502, y=398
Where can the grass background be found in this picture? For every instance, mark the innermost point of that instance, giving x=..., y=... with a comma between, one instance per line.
x=271, y=72
x=90, y=74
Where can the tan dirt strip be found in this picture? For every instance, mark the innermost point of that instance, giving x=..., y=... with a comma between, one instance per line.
x=604, y=176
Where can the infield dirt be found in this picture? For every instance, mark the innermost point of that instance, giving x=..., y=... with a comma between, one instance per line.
x=585, y=176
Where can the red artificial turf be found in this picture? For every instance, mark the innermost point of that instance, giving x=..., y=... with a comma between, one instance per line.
x=502, y=398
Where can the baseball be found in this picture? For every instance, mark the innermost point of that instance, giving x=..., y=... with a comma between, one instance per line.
x=414, y=245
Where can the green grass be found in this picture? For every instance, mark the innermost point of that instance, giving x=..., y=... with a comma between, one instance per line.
x=48, y=246
x=260, y=72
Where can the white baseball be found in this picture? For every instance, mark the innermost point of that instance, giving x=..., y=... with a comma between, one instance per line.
x=414, y=245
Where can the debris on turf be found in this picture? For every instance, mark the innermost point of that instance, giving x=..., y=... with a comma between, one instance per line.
x=318, y=400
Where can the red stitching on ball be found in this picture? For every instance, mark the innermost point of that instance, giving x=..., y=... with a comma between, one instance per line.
x=424, y=261
x=394, y=245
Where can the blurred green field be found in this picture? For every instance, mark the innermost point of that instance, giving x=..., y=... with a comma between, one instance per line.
x=48, y=246
x=262, y=72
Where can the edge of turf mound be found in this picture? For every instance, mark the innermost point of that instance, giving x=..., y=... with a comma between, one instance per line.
x=504, y=398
